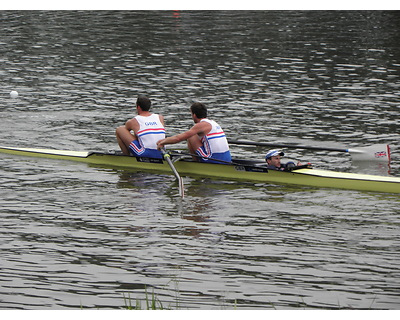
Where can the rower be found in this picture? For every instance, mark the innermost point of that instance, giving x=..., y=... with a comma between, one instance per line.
x=139, y=135
x=273, y=159
x=206, y=140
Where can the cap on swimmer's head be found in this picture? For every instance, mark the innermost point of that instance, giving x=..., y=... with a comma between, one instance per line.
x=274, y=153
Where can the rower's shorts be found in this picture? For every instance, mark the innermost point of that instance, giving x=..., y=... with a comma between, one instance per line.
x=137, y=150
x=223, y=156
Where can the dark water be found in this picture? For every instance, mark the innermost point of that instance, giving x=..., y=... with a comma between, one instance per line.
x=75, y=236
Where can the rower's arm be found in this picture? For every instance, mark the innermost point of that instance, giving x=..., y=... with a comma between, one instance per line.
x=132, y=125
x=200, y=128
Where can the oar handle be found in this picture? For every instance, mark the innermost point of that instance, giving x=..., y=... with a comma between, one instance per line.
x=279, y=145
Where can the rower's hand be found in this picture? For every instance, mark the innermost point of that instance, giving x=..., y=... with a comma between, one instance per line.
x=160, y=144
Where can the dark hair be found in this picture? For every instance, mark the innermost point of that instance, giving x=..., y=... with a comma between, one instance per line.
x=144, y=103
x=199, y=110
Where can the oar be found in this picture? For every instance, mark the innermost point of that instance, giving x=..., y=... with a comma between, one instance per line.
x=377, y=152
x=167, y=158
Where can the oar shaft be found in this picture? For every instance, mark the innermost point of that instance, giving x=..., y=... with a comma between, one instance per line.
x=167, y=158
x=280, y=145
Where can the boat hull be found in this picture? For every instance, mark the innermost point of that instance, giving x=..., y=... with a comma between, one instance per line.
x=241, y=170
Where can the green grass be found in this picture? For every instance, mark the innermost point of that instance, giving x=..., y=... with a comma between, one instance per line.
x=151, y=302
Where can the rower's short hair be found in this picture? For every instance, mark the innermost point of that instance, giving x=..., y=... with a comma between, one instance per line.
x=144, y=103
x=199, y=109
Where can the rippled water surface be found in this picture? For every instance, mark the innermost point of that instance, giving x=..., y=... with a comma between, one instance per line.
x=74, y=236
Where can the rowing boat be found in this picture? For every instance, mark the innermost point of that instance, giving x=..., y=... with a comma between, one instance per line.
x=245, y=170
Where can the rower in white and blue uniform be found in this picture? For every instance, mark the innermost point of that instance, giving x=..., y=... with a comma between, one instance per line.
x=206, y=138
x=139, y=136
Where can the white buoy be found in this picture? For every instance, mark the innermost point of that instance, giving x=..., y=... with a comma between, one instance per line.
x=13, y=94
